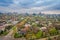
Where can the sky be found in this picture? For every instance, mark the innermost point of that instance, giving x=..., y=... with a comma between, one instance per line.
x=30, y=6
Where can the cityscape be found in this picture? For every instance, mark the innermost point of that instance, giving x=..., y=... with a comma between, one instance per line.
x=29, y=19
x=29, y=26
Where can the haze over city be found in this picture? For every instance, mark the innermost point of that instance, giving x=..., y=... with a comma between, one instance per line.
x=30, y=6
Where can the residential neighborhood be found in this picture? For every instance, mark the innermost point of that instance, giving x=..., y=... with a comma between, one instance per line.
x=30, y=27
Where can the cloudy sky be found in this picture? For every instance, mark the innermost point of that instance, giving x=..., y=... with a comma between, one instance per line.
x=30, y=6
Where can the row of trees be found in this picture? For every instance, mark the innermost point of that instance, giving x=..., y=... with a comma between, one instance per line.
x=37, y=35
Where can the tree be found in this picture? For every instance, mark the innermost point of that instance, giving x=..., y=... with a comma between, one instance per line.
x=17, y=35
x=8, y=27
x=39, y=34
x=1, y=32
x=49, y=38
x=53, y=31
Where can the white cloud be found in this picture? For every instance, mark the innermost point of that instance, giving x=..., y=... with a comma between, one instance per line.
x=16, y=2
x=16, y=6
x=52, y=12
